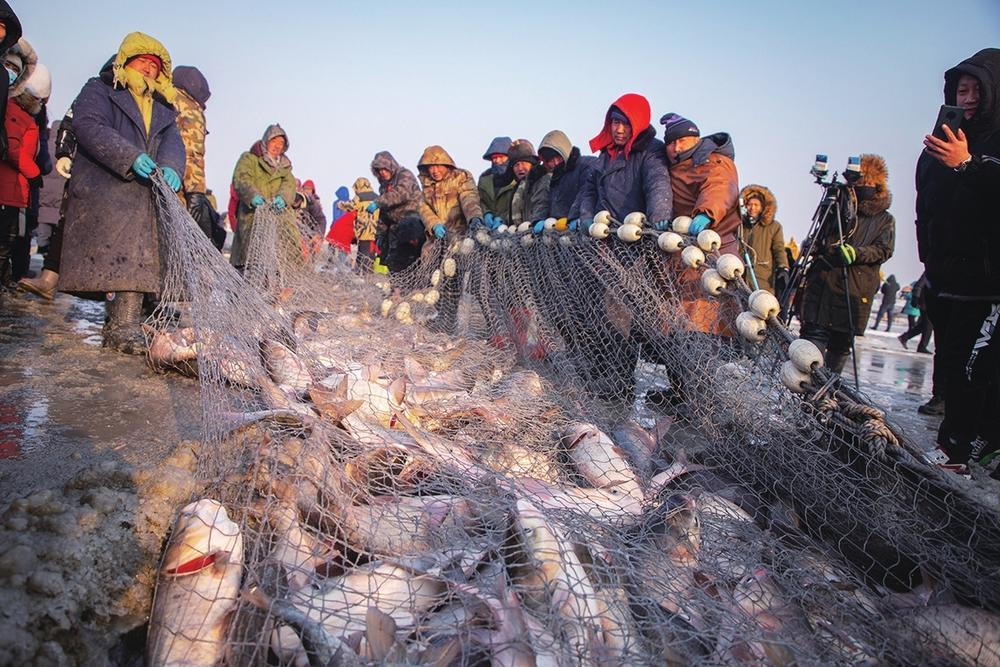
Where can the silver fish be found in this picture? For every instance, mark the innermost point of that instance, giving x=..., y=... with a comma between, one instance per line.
x=599, y=460
x=285, y=368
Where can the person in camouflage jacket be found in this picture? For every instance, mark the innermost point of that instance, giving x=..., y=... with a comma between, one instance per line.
x=451, y=199
x=192, y=95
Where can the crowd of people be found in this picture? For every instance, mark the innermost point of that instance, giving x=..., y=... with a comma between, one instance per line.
x=142, y=115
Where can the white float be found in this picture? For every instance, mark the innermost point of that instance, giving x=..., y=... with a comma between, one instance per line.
x=682, y=224
x=549, y=224
x=692, y=256
x=751, y=327
x=467, y=246
x=709, y=240
x=729, y=267
x=637, y=218
x=599, y=230
x=432, y=297
x=805, y=355
x=602, y=218
x=523, y=227
x=763, y=304
x=794, y=379
x=386, y=307
x=449, y=267
x=670, y=242
x=712, y=282
x=629, y=233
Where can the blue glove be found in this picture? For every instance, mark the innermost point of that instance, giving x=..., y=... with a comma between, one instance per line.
x=172, y=179
x=439, y=231
x=475, y=223
x=586, y=223
x=257, y=201
x=492, y=222
x=279, y=203
x=574, y=224
x=143, y=166
x=699, y=224
x=371, y=207
x=662, y=225
x=539, y=227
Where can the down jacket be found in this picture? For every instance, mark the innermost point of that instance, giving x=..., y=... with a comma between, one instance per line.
x=398, y=197
x=452, y=201
x=707, y=182
x=765, y=240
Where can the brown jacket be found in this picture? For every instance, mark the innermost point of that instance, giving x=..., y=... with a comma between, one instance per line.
x=707, y=182
x=764, y=241
x=452, y=201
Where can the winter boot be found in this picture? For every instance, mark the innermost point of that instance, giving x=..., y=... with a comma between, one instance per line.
x=835, y=361
x=934, y=407
x=44, y=285
x=123, y=328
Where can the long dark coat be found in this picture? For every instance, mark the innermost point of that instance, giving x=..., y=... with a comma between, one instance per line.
x=110, y=242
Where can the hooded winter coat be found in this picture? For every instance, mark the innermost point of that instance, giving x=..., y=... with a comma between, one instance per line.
x=342, y=202
x=634, y=178
x=567, y=183
x=22, y=135
x=24, y=54
x=872, y=235
x=530, y=202
x=365, y=223
x=256, y=175
x=13, y=26
x=764, y=241
x=111, y=240
x=399, y=196
x=496, y=191
x=454, y=200
x=707, y=182
x=192, y=95
x=958, y=235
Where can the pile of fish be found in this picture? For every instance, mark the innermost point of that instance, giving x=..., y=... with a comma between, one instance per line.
x=400, y=513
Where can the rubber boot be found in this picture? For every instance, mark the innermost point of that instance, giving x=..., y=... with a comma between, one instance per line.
x=44, y=285
x=835, y=361
x=123, y=328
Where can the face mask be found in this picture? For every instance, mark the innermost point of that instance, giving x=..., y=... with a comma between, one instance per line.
x=864, y=192
x=498, y=169
x=11, y=75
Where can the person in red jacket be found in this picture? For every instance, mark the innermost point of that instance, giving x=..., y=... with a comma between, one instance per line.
x=16, y=172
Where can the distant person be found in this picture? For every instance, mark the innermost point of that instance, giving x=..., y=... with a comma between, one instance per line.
x=365, y=222
x=889, y=289
x=958, y=240
x=34, y=100
x=342, y=196
x=262, y=177
x=193, y=93
x=869, y=242
x=762, y=238
x=916, y=312
x=17, y=174
x=126, y=129
x=401, y=231
x=496, y=185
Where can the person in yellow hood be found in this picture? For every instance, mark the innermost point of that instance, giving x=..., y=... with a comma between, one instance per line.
x=126, y=130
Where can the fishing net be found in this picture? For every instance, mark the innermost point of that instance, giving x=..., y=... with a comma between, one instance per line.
x=552, y=449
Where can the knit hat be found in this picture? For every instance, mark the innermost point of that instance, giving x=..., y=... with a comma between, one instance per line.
x=557, y=141
x=676, y=126
x=499, y=145
x=522, y=151
x=619, y=115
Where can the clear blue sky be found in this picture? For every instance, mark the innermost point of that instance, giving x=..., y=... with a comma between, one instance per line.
x=787, y=80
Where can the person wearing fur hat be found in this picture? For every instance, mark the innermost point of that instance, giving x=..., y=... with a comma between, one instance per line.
x=958, y=240
x=868, y=242
x=569, y=172
x=125, y=127
x=496, y=184
x=761, y=237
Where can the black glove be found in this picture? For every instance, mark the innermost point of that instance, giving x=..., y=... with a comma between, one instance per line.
x=35, y=182
x=781, y=277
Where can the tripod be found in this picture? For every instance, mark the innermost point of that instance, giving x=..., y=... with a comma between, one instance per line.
x=836, y=205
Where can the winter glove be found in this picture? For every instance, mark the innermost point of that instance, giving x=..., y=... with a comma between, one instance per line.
x=494, y=222
x=781, y=281
x=574, y=224
x=372, y=206
x=846, y=254
x=662, y=225
x=257, y=201
x=63, y=166
x=585, y=224
x=439, y=231
x=488, y=221
x=279, y=203
x=538, y=227
x=143, y=166
x=172, y=179
x=35, y=182
x=700, y=223
x=475, y=223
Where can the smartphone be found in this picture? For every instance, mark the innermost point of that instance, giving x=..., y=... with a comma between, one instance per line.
x=950, y=116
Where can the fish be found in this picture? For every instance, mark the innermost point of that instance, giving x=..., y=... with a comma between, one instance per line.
x=514, y=460
x=285, y=368
x=597, y=458
x=332, y=403
x=402, y=525
x=197, y=589
x=298, y=552
x=782, y=625
x=639, y=444
x=608, y=504
x=681, y=466
x=730, y=539
x=281, y=399
x=951, y=633
x=169, y=348
x=379, y=403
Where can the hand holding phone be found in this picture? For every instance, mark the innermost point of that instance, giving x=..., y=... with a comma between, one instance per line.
x=950, y=116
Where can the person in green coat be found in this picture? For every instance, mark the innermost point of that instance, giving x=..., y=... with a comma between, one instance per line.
x=496, y=184
x=263, y=176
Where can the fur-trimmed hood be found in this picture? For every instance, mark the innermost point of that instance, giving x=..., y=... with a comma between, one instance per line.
x=24, y=52
x=137, y=44
x=874, y=172
x=770, y=204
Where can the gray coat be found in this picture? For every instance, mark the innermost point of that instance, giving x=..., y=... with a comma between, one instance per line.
x=110, y=242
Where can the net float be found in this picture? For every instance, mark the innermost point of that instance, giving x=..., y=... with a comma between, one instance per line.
x=795, y=379
x=709, y=240
x=751, y=327
x=599, y=230
x=681, y=224
x=482, y=237
x=467, y=246
x=729, y=267
x=403, y=312
x=502, y=229
x=506, y=244
x=417, y=297
x=523, y=227
x=495, y=244
x=629, y=233
x=637, y=218
x=562, y=224
x=566, y=240
x=603, y=218
x=527, y=240
x=386, y=307
x=432, y=297
x=549, y=224
x=449, y=267
x=436, y=278
x=692, y=256
x=712, y=282
x=670, y=242
x=763, y=304
x=805, y=355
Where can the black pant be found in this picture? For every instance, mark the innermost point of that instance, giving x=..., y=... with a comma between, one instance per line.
x=938, y=313
x=835, y=345
x=921, y=327
x=970, y=363
x=20, y=254
x=8, y=233
x=883, y=309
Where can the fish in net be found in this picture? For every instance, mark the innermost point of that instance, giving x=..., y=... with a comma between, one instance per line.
x=454, y=465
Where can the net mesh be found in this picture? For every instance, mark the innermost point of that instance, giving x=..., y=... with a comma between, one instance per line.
x=456, y=464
